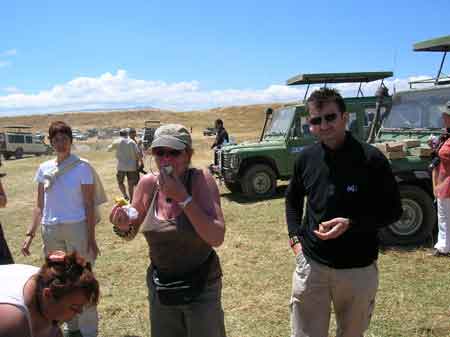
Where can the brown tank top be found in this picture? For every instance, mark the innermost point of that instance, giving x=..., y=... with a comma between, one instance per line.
x=175, y=248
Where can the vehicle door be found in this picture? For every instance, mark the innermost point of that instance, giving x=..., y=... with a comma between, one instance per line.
x=299, y=136
x=28, y=146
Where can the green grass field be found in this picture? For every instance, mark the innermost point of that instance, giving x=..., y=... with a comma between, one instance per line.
x=413, y=298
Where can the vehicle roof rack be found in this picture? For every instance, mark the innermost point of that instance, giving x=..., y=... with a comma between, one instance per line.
x=440, y=44
x=353, y=77
x=17, y=127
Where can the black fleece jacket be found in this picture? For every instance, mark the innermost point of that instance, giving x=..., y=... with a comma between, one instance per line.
x=354, y=181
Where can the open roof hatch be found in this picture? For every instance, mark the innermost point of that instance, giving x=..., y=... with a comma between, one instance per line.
x=442, y=45
x=325, y=78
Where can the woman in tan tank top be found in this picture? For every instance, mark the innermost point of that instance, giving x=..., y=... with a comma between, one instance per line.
x=181, y=218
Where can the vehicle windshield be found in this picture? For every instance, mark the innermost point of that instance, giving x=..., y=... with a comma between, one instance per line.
x=281, y=122
x=418, y=109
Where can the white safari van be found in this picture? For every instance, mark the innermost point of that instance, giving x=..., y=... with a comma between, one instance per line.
x=16, y=141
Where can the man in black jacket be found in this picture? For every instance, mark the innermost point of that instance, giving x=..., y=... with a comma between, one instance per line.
x=221, y=135
x=351, y=193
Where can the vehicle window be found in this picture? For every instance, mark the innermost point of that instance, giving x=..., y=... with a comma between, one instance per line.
x=28, y=139
x=418, y=109
x=281, y=122
x=20, y=139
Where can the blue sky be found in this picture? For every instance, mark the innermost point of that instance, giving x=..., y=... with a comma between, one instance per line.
x=183, y=55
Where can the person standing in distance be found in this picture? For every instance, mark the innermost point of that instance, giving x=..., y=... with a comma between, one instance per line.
x=351, y=193
x=221, y=135
x=128, y=156
x=140, y=163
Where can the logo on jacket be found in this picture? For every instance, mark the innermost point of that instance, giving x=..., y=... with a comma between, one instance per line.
x=352, y=188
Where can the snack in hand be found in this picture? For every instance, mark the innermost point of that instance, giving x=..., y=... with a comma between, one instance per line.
x=120, y=201
x=131, y=211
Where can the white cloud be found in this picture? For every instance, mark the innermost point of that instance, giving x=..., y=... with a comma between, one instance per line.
x=9, y=52
x=120, y=91
x=11, y=90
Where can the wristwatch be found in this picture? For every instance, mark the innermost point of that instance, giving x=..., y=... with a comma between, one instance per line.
x=183, y=204
x=293, y=240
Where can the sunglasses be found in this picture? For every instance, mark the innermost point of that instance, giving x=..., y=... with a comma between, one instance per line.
x=168, y=153
x=328, y=118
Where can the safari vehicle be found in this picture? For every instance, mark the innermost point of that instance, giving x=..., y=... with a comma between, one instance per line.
x=415, y=114
x=150, y=127
x=412, y=115
x=16, y=141
x=254, y=168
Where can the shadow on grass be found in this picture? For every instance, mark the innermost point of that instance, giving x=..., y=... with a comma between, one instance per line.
x=427, y=245
x=241, y=199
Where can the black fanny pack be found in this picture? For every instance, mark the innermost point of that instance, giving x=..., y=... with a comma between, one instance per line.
x=182, y=290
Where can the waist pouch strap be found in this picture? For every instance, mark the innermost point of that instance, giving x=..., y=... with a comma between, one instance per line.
x=184, y=289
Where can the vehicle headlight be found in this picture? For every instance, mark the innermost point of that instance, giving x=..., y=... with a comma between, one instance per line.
x=234, y=161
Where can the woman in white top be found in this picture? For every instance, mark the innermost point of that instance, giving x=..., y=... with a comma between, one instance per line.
x=65, y=208
x=33, y=301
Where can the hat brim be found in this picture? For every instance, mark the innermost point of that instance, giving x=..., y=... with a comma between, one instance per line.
x=168, y=141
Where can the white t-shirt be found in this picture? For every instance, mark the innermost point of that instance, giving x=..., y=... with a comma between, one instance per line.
x=63, y=202
x=13, y=278
x=127, y=154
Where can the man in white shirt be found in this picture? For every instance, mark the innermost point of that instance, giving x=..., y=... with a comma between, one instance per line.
x=128, y=155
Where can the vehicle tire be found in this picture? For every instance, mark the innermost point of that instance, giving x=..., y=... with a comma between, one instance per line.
x=417, y=222
x=18, y=153
x=233, y=187
x=7, y=155
x=259, y=181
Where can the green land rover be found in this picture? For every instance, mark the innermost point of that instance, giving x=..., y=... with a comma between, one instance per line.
x=254, y=168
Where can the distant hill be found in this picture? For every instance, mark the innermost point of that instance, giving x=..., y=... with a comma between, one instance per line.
x=237, y=119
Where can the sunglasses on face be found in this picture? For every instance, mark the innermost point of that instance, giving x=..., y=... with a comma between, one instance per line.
x=328, y=118
x=166, y=153
x=60, y=139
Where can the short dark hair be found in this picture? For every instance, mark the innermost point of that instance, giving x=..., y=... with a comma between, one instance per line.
x=59, y=127
x=322, y=96
x=219, y=121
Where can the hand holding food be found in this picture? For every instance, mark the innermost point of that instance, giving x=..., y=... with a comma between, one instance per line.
x=125, y=205
x=120, y=201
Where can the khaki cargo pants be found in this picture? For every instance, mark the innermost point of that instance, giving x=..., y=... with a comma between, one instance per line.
x=70, y=237
x=315, y=286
